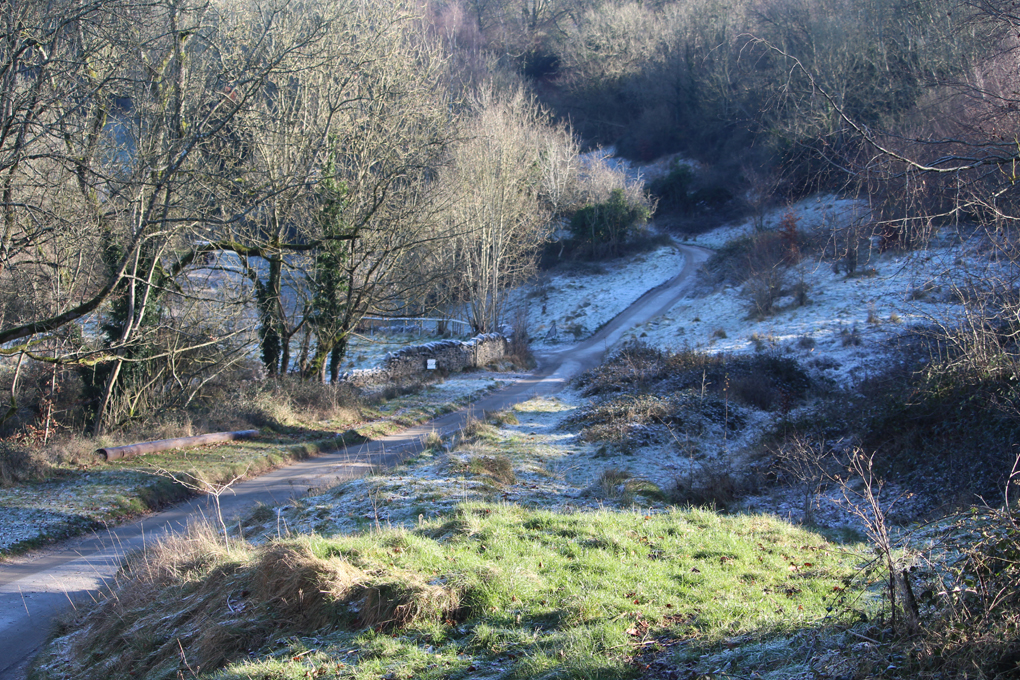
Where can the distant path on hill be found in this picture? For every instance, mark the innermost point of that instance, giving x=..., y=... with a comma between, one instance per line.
x=36, y=588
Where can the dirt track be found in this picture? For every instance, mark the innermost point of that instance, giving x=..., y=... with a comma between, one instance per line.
x=36, y=588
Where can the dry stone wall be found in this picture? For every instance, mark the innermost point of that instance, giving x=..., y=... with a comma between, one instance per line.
x=450, y=356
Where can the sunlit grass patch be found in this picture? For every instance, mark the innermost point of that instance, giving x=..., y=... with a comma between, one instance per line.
x=485, y=591
x=542, y=405
x=504, y=417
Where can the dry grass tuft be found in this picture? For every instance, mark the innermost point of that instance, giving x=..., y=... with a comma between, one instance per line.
x=616, y=420
x=475, y=429
x=433, y=440
x=620, y=484
x=287, y=401
x=73, y=450
x=303, y=590
x=222, y=604
x=20, y=464
x=504, y=417
x=405, y=599
x=499, y=469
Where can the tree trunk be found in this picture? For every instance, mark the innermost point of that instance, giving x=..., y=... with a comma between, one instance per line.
x=336, y=357
x=104, y=405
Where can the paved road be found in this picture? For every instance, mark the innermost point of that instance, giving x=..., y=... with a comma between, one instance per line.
x=36, y=588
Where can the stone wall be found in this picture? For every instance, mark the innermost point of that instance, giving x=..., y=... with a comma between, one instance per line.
x=450, y=356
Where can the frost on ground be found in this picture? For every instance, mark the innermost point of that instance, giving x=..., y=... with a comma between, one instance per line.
x=840, y=334
x=533, y=463
x=843, y=332
x=820, y=213
x=64, y=507
x=538, y=462
x=565, y=308
x=367, y=350
x=846, y=324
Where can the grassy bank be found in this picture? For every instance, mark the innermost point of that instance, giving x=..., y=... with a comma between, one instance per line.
x=78, y=493
x=489, y=590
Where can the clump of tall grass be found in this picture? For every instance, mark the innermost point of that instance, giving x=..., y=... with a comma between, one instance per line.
x=20, y=464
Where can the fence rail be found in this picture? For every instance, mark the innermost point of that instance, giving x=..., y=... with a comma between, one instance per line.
x=414, y=324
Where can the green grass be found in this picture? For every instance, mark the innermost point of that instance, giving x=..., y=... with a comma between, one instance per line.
x=493, y=591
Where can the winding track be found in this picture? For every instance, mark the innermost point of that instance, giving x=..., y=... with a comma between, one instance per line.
x=36, y=588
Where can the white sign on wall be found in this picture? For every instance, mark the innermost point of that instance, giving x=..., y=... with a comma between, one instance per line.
x=430, y=364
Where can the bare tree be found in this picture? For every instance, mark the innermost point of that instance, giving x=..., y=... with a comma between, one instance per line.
x=140, y=141
x=498, y=172
x=376, y=202
x=197, y=483
x=950, y=165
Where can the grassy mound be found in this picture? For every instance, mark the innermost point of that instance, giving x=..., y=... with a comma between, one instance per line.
x=490, y=591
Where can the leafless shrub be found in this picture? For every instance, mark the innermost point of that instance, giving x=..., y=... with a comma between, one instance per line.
x=755, y=389
x=763, y=288
x=520, y=339
x=864, y=501
x=921, y=292
x=763, y=183
x=847, y=241
x=198, y=483
x=45, y=401
x=806, y=463
x=713, y=485
x=850, y=337
x=766, y=268
x=972, y=594
x=800, y=293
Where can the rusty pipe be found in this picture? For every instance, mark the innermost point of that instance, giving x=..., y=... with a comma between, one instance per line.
x=132, y=450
